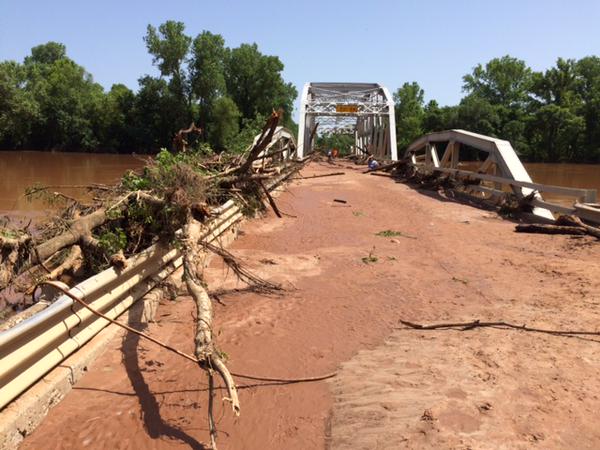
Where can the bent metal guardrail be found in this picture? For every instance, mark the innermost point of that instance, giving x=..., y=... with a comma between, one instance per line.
x=32, y=348
x=506, y=169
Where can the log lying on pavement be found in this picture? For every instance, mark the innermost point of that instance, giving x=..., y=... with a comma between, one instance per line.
x=548, y=229
x=322, y=175
x=171, y=201
x=577, y=222
x=564, y=225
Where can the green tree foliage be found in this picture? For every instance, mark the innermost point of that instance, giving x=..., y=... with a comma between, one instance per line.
x=208, y=71
x=340, y=141
x=169, y=47
x=503, y=81
x=50, y=102
x=66, y=97
x=588, y=72
x=548, y=116
x=255, y=83
x=477, y=114
x=410, y=113
x=500, y=92
x=154, y=122
x=556, y=129
x=224, y=125
x=115, y=117
x=18, y=109
x=47, y=53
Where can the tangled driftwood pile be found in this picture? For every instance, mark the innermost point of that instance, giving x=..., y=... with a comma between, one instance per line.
x=170, y=200
x=508, y=204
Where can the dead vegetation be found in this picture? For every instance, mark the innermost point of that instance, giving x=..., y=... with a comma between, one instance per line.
x=170, y=200
x=507, y=205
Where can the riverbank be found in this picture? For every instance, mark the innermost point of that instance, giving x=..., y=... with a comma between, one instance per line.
x=347, y=289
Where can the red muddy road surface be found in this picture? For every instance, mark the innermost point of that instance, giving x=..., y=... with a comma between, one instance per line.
x=483, y=388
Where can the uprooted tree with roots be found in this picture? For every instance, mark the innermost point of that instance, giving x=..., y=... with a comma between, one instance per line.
x=170, y=200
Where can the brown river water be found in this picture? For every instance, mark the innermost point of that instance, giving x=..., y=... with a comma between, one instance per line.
x=568, y=175
x=19, y=170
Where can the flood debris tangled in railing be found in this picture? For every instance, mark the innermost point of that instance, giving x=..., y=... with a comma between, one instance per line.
x=135, y=234
x=489, y=169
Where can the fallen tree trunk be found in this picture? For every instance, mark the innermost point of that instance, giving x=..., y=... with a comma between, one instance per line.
x=71, y=263
x=577, y=222
x=549, y=229
x=262, y=142
x=78, y=229
x=333, y=174
x=209, y=358
x=270, y=199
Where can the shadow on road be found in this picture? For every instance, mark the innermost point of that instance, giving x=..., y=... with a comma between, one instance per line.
x=154, y=424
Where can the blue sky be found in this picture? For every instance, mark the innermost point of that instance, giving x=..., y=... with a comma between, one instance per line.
x=432, y=42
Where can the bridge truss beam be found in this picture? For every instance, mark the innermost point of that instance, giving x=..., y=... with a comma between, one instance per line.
x=363, y=109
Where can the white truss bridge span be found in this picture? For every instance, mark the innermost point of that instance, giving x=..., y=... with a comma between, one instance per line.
x=365, y=110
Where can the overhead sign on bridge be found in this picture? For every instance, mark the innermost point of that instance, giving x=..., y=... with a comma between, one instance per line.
x=345, y=108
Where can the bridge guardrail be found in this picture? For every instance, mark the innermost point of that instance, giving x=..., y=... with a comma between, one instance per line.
x=507, y=170
x=32, y=348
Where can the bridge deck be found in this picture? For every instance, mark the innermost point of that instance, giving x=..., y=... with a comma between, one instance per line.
x=483, y=388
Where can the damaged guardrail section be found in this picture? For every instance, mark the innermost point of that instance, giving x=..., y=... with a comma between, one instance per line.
x=440, y=153
x=32, y=348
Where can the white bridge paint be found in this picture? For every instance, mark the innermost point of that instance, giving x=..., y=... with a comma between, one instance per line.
x=373, y=124
x=501, y=157
x=283, y=140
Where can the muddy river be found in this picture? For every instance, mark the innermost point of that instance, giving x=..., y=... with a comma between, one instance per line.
x=19, y=170
x=568, y=175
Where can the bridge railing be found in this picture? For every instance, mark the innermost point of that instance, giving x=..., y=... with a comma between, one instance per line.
x=34, y=346
x=501, y=168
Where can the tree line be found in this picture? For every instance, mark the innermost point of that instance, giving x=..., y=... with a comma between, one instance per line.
x=550, y=116
x=50, y=102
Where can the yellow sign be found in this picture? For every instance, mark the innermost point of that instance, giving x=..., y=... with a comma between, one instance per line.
x=346, y=108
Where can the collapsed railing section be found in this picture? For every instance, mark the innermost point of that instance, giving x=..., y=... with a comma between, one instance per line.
x=35, y=346
x=500, y=167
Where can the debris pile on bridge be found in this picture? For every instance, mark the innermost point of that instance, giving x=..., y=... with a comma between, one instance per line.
x=170, y=200
x=508, y=204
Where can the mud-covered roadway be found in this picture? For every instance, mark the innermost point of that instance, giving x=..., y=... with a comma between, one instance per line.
x=346, y=290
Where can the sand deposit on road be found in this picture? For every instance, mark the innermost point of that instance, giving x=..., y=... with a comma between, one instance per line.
x=347, y=289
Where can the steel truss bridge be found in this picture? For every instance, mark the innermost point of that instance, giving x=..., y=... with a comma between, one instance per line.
x=363, y=109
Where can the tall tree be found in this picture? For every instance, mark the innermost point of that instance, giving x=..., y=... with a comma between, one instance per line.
x=588, y=71
x=207, y=67
x=67, y=98
x=503, y=81
x=224, y=125
x=169, y=47
x=502, y=85
x=438, y=118
x=155, y=122
x=556, y=127
x=18, y=108
x=115, y=118
x=409, y=101
x=47, y=53
x=477, y=114
x=255, y=83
